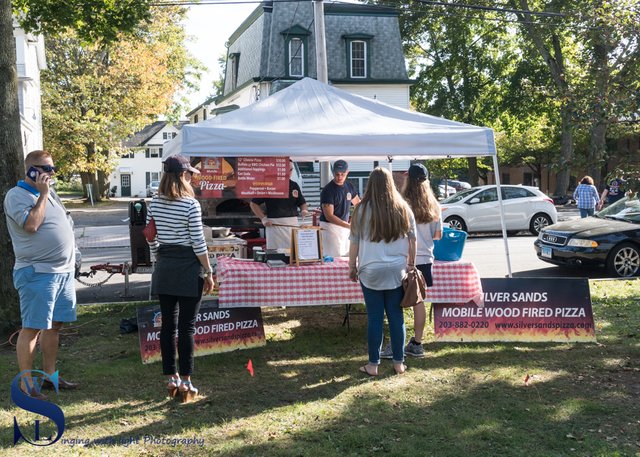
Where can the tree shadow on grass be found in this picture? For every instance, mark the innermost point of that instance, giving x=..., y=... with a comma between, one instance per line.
x=450, y=403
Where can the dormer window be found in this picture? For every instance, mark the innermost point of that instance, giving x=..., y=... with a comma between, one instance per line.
x=296, y=57
x=358, y=55
x=295, y=39
x=235, y=66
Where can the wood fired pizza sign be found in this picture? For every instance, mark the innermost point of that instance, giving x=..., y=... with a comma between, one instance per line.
x=243, y=177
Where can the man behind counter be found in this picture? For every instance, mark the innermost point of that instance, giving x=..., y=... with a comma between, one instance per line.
x=336, y=199
x=281, y=214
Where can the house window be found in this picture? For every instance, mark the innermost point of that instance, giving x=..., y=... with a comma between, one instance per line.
x=128, y=155
x=296, y=57
x=235, y=66
x=506, y=178
x=358, y=51
x=295, y=51
x=152, y=152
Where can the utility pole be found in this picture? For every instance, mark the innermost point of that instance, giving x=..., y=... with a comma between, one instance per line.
x=321, y=69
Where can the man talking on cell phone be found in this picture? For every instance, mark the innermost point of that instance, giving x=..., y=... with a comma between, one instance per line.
x=42, y=236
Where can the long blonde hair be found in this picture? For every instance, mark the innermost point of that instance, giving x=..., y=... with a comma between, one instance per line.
x=420, y=197
x=389, y=217
x=174, y=186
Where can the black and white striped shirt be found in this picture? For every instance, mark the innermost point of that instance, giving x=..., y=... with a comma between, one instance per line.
x=177, y=222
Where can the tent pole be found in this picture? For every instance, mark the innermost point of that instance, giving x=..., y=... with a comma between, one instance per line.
x=502, y=223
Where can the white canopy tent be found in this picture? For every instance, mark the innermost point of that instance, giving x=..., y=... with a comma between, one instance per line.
x=312, y=121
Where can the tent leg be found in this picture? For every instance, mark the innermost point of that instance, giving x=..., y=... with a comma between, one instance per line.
x=502, y=223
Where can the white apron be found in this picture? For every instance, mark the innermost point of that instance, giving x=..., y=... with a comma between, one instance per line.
x=335, y=240
x=280, y=237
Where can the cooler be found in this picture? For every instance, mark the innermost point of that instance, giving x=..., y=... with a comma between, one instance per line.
x=450, y=246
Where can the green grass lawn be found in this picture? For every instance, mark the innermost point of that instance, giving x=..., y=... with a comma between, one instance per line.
x=308, y=399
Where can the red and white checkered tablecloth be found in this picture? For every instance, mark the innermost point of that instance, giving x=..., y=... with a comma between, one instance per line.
x=245, y=283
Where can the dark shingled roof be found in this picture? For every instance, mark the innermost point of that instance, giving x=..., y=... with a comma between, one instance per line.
x=143, y=136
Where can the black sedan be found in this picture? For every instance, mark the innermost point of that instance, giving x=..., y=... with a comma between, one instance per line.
x=611, y=239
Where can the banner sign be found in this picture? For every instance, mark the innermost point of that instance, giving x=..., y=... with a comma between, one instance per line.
x=242, y=177
x=521, y=309
x=217, y=330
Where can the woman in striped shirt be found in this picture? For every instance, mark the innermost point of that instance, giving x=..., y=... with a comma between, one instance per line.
x=182, y=270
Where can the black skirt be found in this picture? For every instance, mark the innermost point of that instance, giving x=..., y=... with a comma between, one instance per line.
x=176, y=272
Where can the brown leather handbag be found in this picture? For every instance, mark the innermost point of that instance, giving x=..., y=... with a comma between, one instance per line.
x=415, y=289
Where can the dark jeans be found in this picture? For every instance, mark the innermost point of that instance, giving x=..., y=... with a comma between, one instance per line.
x=183, y=312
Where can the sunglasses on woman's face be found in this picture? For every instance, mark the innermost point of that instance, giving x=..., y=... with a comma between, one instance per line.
x=46, y=168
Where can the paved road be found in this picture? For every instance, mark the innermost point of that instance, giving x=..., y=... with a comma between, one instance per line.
x=103, y=237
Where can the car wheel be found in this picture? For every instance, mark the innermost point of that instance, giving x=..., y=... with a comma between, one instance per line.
x=624, y=260
x=456, y=223
x=538, y=222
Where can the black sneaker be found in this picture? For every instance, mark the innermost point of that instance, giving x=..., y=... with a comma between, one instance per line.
x=414, y=349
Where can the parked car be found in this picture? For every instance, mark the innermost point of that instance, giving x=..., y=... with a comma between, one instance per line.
x=457, y=185
x=478, y=209
x=152, y=188
x=445, y=192
x=611, y=239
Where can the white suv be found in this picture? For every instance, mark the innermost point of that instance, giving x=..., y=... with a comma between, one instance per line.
x=478, y=209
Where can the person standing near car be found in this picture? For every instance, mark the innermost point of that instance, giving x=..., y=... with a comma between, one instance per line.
x=336, y=199
x=281, y=215
x=426, y=210
x=612, y=192
x=382, y=249
x=586, y=197
x=44, y=245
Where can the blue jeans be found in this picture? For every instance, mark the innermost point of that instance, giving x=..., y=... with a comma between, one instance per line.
x=586, y=212
x=378, y=302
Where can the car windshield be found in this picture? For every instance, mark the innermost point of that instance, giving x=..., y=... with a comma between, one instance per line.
x=625, y=209
x=459, y=196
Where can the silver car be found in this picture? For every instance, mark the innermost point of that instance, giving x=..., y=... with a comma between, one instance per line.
x=152, y=188
x=478, y=209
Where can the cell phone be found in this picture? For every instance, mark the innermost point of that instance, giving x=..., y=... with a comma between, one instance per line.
x=33, y=173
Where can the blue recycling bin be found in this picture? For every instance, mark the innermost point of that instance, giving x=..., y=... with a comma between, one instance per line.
x=450, y=246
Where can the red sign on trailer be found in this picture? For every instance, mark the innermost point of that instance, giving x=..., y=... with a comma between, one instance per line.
x=243, y=177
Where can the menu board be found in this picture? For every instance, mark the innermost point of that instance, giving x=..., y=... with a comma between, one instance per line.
x=306, y=245
x=242, y=177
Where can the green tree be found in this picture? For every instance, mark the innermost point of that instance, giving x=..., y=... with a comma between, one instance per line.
x=461, y=61
x=95, y=20
x=95, y=96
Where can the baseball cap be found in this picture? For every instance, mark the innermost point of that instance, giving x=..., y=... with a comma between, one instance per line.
x=340, y=166
x=418, y=171
x=177, y=164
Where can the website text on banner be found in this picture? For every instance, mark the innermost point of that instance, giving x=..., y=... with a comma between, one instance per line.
x=242, y=177
x=217, y=330
x=521, y=309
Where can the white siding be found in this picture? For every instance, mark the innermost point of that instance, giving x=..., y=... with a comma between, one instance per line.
x=391, y=94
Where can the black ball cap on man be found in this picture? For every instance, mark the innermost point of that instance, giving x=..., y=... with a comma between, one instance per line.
x=178, y=164
x=418, y=172
x=340, y=166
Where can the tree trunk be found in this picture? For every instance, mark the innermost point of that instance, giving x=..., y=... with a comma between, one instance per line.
x=566, y=150
x=473, y=171
x=12, y=158
x=103, y=184
x=597, y=150
x=90, y=178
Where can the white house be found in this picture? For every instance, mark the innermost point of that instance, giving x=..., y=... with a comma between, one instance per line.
x=143, y=163
x=30, y=60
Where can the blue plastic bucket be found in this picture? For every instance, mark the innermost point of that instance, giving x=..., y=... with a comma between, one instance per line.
x=450, y=246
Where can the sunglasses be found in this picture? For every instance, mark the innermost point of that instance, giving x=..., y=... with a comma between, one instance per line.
x=46, y=168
